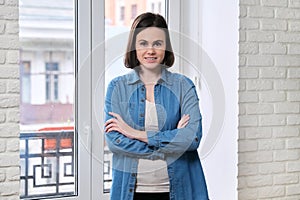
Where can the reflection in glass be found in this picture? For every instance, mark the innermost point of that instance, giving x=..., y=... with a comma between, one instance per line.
x=47, y=139
x=119, y=15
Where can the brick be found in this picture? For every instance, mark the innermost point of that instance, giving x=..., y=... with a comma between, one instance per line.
x=260, y=12
x=248, y=121
x=9, y=188
x=259, y=85
x=289, y=37
x=248, y=194
x=12, y=28
x=284, y=132
x=2, y=27
x=287, y=13
x=13, y=86
x=257, y=132
x=9, y=160
x=283, y=179
x=293, y=120
x=9, y=42
x=249, y=2
x=287, y=108
x=271, y=191
x=293, y=96
x=2, y=116
x=294, y=26
x=13, y=174
x=2, y=175
x=12, y=145
x=256, y=157
x=293, y=189
x=2, y=57
x=272, y=120
x=242, y=36
x=286, y=155
x=1, y=2
x=248, y=97
x=243, y=11
x=267, y=144
x=294, y=49
x=12, y=57
x=272, y=168
x=248, y=48
x=2, y=146
x=247, y=169
x=293, y=166
x=294, y=72
x=249, y=24
x=242, y=109
x=13, y=115
x=259, y=109
x=294, y=3
x=260, y=36
x=259, y=60
x=9, y=101
x=2, y=87
x=275, y=3
x=293, y=143
x=242, y=85
x=9, y=13
x=242, y=60
x=248, y=72
x=12, y=2
x=272, y=96
x=247, y=145
x=273, y=25
x=271, y=49
x=287, y=61
x=287, y=84
x=11, y=72
x=272, y=72
x=9, y=130
x=260, y=180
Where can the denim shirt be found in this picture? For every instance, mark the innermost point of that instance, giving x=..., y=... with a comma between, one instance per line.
x=174, y=96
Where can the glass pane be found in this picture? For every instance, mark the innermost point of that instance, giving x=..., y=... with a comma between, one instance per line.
x=47, y=67
x=119, y=14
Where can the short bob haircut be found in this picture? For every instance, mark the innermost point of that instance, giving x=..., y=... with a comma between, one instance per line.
x=140, y=23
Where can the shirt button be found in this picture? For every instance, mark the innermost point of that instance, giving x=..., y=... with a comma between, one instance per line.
x=130, y=190
x=118, y=141
x=143, y=89
x=196, y=139
x=133, y=174
x=142, y=115
x=142, y=100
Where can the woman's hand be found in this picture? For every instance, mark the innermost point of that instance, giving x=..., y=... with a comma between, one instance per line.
x=118, y=124
x=183, y=121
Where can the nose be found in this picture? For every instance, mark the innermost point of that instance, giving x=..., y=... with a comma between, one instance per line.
x=150, y=50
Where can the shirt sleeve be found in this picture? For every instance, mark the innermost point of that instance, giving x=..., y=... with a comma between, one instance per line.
x=117, y=142
x=183, y=139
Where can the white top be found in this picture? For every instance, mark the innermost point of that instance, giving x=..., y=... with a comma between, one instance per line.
x=152, y=175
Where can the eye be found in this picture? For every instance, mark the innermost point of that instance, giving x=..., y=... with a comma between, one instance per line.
x=157, y=44
x=143, y=43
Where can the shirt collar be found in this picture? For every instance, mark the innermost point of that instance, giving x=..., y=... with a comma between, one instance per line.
x=133, y=77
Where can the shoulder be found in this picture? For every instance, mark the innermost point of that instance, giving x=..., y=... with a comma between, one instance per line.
x=180, y=79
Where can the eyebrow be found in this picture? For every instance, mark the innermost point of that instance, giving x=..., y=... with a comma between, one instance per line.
x=142, y=40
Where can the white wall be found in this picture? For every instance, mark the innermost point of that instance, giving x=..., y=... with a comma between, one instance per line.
x=220, y=43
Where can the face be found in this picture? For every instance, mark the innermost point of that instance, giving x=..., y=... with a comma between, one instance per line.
x=150, y=47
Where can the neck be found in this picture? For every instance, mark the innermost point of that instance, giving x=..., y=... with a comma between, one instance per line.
x=150, y=76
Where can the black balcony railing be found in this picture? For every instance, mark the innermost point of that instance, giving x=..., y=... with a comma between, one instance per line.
x=47, y=164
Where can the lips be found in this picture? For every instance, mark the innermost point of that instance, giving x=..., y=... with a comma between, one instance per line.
x=150, y=59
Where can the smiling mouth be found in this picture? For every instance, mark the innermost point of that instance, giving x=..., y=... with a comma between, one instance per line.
x=150, y=58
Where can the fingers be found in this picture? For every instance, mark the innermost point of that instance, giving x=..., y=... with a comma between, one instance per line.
x=183, y=121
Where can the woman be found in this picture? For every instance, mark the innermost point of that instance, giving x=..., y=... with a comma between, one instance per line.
x=153, y=122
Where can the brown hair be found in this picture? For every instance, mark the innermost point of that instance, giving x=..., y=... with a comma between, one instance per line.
x=140, y=23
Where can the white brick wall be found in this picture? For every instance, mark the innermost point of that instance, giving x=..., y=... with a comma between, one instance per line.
x=9, y=100
x=269, y=100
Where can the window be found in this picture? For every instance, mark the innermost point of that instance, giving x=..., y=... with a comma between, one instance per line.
x=133, y=11
x=52, y=83
x=122, y=13
x=47, y=118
